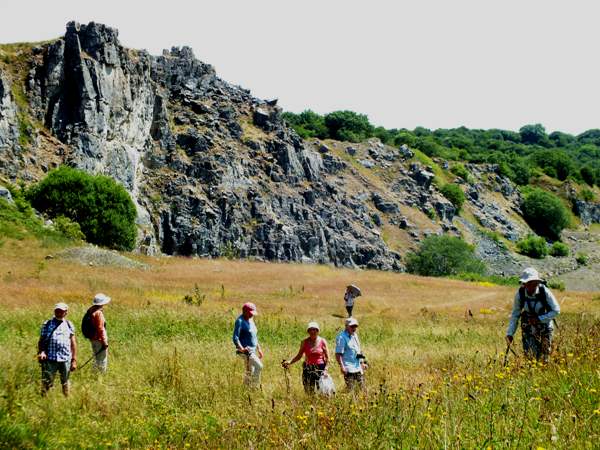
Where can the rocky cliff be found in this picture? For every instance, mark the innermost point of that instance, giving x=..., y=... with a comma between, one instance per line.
x=214, y=171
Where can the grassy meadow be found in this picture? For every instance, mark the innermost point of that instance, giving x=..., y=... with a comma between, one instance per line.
x=436, y=377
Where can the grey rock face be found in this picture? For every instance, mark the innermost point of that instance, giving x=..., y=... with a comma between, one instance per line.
x=588, y=212
x=174, y=135
x=5, y=194
x=9, y=131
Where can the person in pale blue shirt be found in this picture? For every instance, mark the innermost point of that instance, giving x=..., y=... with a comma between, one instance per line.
x=536, y=307
x=245, y=339
x=349, y=355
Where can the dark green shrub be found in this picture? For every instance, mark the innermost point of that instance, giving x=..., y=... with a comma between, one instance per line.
x=533, y=246
x=582, y=259
x=557, y=284
x=101, y=207
x=348, y=126
x=559, y=249
x=545, y=213
x=454, y=193
x=588, y=175
x=444, y=255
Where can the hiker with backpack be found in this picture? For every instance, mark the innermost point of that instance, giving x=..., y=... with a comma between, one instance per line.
x=93, y=327
x=536, y=307
x=349, y=355
x=316, y=358
x=57, y=349
x=245, y=339
x=352, y=292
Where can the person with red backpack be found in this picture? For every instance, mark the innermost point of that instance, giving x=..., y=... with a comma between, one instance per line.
x=536, y=307
x=93, y=327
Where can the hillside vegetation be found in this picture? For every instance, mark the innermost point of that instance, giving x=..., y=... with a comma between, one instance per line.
x=520, y=155
x=435, y=348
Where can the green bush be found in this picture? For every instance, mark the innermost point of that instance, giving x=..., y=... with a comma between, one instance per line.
x=582, y=259
x=588, y=175
x=587, y=195
x=442, y=256
x=307, y=124
x=461, y=171
x=559, y=249
x=533, y=246
x=557, y=284
x=454, y=193
x=101, y=207
x=545, y=213
x=68, y=228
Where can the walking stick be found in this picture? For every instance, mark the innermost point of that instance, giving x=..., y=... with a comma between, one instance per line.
x=286, y=371
x=508, y=348
x=91, y=357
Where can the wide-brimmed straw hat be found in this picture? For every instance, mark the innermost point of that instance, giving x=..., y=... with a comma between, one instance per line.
x=529, y=274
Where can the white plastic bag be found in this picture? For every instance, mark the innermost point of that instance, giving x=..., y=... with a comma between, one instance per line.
x=326, y=385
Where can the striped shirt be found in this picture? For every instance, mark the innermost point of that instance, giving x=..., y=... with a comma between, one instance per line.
x=58, y=334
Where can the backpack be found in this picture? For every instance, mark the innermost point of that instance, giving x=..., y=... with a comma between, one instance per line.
x=87, y=326
x=540, y=297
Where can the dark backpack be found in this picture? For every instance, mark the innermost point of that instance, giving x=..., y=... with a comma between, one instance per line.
x=87, y=326
x=539, y=297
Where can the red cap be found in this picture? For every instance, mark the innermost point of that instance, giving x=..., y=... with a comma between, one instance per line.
x=250, y=307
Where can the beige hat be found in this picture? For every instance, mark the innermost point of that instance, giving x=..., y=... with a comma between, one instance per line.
x=529, y=274
x=62, y=306
x=314, y=325
x=101, y=299
x=350, y=321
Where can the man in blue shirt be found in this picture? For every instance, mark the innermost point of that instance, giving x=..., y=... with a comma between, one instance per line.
x=57, y=349
x=245, y=339
x=349, y=356
x=536, y=307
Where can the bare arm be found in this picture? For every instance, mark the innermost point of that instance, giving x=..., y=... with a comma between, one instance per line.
x=73, y=353
x=298, y=355
x=338, y=356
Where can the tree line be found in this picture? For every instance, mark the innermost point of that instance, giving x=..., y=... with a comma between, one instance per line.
x=519, y=155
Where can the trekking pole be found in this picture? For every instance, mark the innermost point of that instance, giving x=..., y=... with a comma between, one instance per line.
x=286, y=372
x=506, y=354
x=91, y=357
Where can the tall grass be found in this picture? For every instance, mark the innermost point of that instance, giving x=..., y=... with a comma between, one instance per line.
x=436, y=376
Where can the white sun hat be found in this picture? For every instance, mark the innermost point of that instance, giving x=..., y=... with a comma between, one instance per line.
x=101, y=299
x=314, y=325
x=62, y=306
x=529, y=274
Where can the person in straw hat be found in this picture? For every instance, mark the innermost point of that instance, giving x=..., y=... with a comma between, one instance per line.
x=316, y=357
x=93, y=327
x=536, y=307
x=352, y=292
x=57, y=349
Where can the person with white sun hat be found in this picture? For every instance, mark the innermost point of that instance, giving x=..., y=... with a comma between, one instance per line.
x=536, y=307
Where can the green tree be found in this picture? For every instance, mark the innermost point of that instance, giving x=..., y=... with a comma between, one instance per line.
x=588, y=175
x=307, y=124
x=534, y=135
x=545, y=213
x=102, y=208
x=442, y=256
x=348, y=126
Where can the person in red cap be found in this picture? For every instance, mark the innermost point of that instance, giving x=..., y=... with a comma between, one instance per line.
x=245, y=339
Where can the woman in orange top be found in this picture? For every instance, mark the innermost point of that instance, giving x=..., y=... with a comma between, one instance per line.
x=316, y=358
